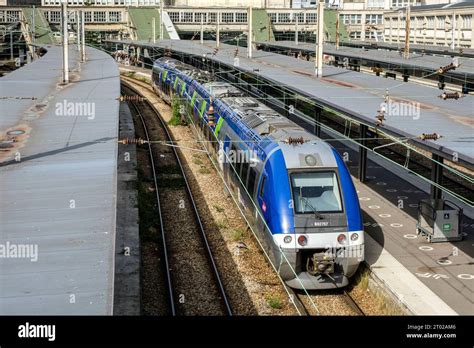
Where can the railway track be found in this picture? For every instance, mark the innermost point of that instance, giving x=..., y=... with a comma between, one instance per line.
x=302, y=301
x=194, y=285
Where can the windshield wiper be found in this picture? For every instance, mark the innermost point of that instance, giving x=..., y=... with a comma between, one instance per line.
x=317, y=215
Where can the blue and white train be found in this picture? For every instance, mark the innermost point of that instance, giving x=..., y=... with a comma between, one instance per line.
x=295, y=190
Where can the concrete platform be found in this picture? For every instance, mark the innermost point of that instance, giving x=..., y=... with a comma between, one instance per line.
x=58, y=185
x=426, y=63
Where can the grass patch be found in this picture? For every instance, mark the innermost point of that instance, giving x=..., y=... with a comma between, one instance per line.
x=221, y=224
x=382, y=304
x=198, y=161
x=176, y=119
x=362, y=280
x=238, y=234
x=274, y=302
x=204, y=170
x=218, y=208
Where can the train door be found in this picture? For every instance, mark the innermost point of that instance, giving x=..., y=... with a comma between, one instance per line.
x=225, y=162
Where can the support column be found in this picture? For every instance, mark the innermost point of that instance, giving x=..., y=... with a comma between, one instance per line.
x=363, y=153
x=436, y=176
x=64, y=22
x=83, y=36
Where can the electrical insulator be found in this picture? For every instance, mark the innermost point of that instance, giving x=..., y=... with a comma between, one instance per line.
x=379, y=120
x=295, y=141
x=446, y=68
x=236, y=53
x=446, y=95
x=210, y=120
x=128, y=141
x=132, y=98
x=432, y=136
x=215, y=51
x=211, y=110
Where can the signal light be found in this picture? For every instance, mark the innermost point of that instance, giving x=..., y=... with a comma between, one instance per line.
x=341, y=239
x=302, y=240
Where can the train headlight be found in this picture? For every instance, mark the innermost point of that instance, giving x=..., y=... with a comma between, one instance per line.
x=287, y=239
x=354, y=237
x=310, y=160
x=302, y=240
x=341, y=239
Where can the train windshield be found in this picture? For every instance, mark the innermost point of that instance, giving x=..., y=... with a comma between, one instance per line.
x=316, y=192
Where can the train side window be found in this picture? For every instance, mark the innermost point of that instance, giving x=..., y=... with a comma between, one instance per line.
x=262, y=186
x=251, y=182
x=240, y=162
x=232, y=159
x=245, y=171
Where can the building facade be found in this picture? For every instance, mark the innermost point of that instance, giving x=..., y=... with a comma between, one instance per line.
x=439, y=25
x=177, y=3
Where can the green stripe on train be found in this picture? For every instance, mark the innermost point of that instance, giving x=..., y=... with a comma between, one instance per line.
x=203, y=107
x=193, y=99
x=218, y=126
x=183, y=87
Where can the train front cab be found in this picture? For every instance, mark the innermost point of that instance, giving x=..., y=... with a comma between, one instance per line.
x=312, y=248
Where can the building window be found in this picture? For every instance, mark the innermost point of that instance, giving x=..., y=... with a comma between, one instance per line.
x=99, y=17
x=88, y=17
x=283, y=18
x=429, y=22
x=300, y=17
x=400, y=3
x=212, y=17
x=273, y=17
x=355, y=35
x=55, y=17
x=186, y=17
x=227, y=17
x=115, y=16
x=420, y=23
x=241, y=17
x=441, y=22
x=375, y=3
x=174, y=16
x=12, y=16
x=466, y=22
x=200, y=15
x=351, y=18
x=311, y=17
x=375, y=35
x=374, y=19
